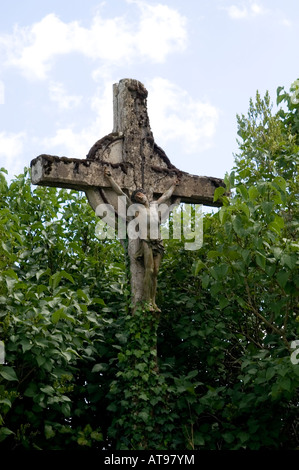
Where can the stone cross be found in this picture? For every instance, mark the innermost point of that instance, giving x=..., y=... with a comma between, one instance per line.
x=134, y=160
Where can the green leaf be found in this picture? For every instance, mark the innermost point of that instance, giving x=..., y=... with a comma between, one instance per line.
x=112, y=407
x=143, y=415
x=270, y=373
x=289, y=260
x=267, y=207
x=5, y=401
x=238, y=225
x=219, y=192
x=280, y=182
x=229, y=180
x=205, y=281
x=143, y=396
x=31, y=390
x=41, y=360
x=11, y=273
x=49, y=431
x=260, y=260
x=199, y=439
x=241, y=189
x=192, y=374
x=228, y=437
x=223, y=302
x=282, y=278
x=241, y=302
x=100, y=367
x=243, y=436
x=4, y=432
x=219, y=272
x=47, y=389
x=197, y=266
x=280, y=97
x=9, y=374
x=223, y=214
x=57, y=277
x=285, y=384
x=26, y=344
x=97, y=436
x=82, y=295
x=56, y=316
x=253, y=193
x=277, y=224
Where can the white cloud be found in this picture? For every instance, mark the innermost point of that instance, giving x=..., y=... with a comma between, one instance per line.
x=11, y=147
x=175, y=116
x=32, y=48
x=64, y=100
x=286, y=22
x=256, y=9
x=250, y=10
x=237, y=12
x=70, y=142
x=159, y=31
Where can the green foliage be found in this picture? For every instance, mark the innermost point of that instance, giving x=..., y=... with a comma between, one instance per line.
x=236, y=300
x=290, y=116
x=58, y=300
x=212, y=371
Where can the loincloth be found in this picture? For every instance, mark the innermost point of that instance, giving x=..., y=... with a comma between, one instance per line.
x=156, y=246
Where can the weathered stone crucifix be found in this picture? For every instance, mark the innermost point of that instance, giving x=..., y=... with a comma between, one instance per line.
x=122, y=162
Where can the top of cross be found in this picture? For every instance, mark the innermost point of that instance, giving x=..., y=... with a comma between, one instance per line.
x=136, y=161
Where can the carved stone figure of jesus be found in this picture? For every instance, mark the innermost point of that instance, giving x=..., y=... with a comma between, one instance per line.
x=151, y=247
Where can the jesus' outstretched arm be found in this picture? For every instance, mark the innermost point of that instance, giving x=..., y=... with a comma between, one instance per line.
x=167, y=195
x=116, y=188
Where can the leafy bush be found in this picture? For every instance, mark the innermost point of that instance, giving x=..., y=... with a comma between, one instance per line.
x=213, y=371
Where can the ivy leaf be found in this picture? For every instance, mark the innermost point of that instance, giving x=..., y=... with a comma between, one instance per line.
x=143, y=415
x=199, y=439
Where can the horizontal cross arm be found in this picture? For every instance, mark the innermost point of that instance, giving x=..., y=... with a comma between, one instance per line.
x=193, y=189
x=84, y=174
x=71, y=173
x=200, y=189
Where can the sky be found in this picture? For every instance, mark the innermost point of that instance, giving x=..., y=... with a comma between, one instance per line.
x=200, y=60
